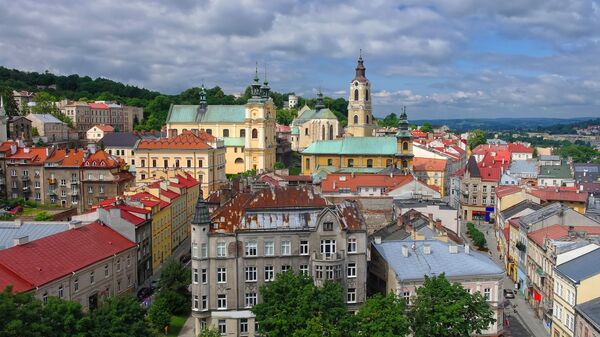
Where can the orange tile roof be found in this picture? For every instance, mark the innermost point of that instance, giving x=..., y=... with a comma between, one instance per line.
x=73, y=159
x=502, y=191
x=334, y=181
x=556, y=232
x=553, y=194
x=100, y=159
x=33, y=156
x=105, y=127
x=429, y=164
x=519, y=148
x=186, y=140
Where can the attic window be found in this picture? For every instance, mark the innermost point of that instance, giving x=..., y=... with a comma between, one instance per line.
x=102, y=163
x=94, y=163
x=87, y=163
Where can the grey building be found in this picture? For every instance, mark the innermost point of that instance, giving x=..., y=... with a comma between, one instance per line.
x=257, y=235
x=587, y=320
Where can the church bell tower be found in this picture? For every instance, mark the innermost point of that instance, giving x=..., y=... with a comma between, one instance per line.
x=360, y=113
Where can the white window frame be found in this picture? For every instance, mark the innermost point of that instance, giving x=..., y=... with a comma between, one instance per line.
x=351, y=273
x=286, y=247
x=221, y=275
x=352, y=245
x=304, y=247
x=269, y=248
x=250, y=273
x=250, y=248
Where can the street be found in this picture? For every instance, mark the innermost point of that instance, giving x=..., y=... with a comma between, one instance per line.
x=521, y=319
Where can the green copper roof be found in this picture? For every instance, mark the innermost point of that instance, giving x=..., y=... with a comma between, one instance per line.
x=295, y=130
x=555, y=171
x=359, y=170
x=354, y=145
x=234, y=141
x=213, y=114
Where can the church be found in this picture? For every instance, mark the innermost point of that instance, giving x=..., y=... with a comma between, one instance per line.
x=248, y=131
x=312, y=125
x=359, y=150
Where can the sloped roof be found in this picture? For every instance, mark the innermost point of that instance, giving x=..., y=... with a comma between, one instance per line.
x=104, y=127
x=308, y=114
x=186, y=140
x=519, y=148
x=429, y=164
x=519, y=207
x=119, y=139
x=354, y=145
x=502, y=191
x=101, y=159
x=582, y=267
x=63, y=159
x=98, y=106
x=335, y=181
x=590, y=310
x=558, y=194
x=234, y=141
x=32, y=155
x=524, y=166
x=44, y=118
x=213, y=114
x=10, y=230
x=555, y=171
x=556, y=232
x=45, y=260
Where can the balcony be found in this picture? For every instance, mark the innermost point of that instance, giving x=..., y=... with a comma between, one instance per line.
x=52, y=193
x=74, y=192
x=328, y=257
x=74, y=182
x=25, y=178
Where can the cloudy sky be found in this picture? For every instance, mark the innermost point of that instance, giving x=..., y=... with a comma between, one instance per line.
x=442, y=59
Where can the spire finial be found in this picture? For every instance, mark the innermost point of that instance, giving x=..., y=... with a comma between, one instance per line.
x=360, y=53
x=256, y=73
x=266, y=82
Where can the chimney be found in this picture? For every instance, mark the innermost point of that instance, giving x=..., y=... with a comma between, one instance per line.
x=405, y=250
x=427, y=249
x=21, y=240
x=438, y=224
x=74, y=224
x=18, y=222
x=467, y=249
x=26, y=150
x=377, y=240
x=452, y=248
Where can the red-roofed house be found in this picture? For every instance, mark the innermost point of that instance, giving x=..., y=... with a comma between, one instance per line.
x=84, y=264
x=519, y=151
x=199, y=155
x=398, y=186
x=97, y=132
x=432, y=172
x=570, y=197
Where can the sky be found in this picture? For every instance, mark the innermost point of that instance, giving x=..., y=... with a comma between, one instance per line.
x=440, y=58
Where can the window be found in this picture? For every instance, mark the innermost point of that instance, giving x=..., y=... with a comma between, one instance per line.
x=285, y=268
x=355, y=119
x=204, y=250
x=306, y=132
x=351, y=295
x=243, y=325
x=195, y=275
x=60, y=291
x=92, y=278
x=254, y=133
x=250, y=248
x=250, y=274
x=304, y=269
x=318, y=271
x=225, y=132
x=269, y=248
x=196, y=302
x=356, y=94
x=405, y=146
x=350, y=162
x=351, y=270
x=487, y=294
x=209, y=131
x=328, y=246
x=304, y=247
x=369, y=162
x=153, y=162
x=222, y=327
x=570, y=321
x=204, y=276
x=307, y=164
x=63, y=182
x=204, y=302
x=76, y=284
x=165, y=163
x=351, y=245
x=221, y=249
x=143, y=162
x=330, y=162
x=250, y=300
x=45, y=298
x=176, y=162
x=269, y=273
x=328, y=226
x=243, y=133
x=286, y=247
x=189, y=163
x=221, y=275
x=406, y=296
x=106, y=271
x=222, y=301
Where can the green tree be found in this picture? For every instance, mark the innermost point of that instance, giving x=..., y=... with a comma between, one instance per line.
x=10, y=105
x=292, y=300
x=209, y=332
x=278, y=165
x=43, y=216
x=174, y=281
x=446, y=309
x=476, y=137
x=119, y=316
x=382, y=316
x=318, y=327
x=579, y=153
x=34, y=132
x=159, y=315
x=44, y=104
x=426, y=127
x=286, y=116
x=390, y=120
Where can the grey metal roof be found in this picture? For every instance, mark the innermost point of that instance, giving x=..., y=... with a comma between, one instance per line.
x=518, y=208
x=590, y=310
x=10, y=230
x=392, y=232
x=542, y=213
x=119, y=139
x=201, y=216
x=586, y=173
x=44, y=118
x=524, y=167
x=582, y=267
x=549, y=158
x=417, y=264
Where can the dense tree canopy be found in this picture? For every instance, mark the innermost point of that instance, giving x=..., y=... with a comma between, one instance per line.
x=579, y=153
x=382, y=316
x=390, y=120
x=426, y=127
x=476, y=137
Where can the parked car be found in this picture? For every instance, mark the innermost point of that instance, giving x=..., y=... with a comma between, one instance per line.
x=509, y=293
x=16, y=210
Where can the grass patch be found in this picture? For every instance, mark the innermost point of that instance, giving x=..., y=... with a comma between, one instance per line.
x=177, y=323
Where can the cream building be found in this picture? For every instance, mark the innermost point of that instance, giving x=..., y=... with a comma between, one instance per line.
x=248, y=131
x=312, y=125
x=360, y=113
x=199, y=154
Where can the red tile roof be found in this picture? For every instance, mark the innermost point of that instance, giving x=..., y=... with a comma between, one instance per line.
x=32, y=155
x=45, y=260
x=334, y=181
x=186, y=140
x=72, y=159
x=429, y=165
x=98, y=106
x=519, y=148
x=187, y=179
x=105, y=127
x=485, y=148
x=228, y=216
x=130, y=217
x=286, y=197
x=169, y=194
x=283, y=128
x=553, y=194
x=502, y=191
x=556, y=232
x=100, y=159
x=418, y=133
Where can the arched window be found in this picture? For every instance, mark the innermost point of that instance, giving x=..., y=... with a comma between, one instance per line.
x=331, y=132
x=369, y=162
x=405, y=146
x=355, y=119
x=254, y=133
x=239, y=160
x=367, y=119
x=367, y=95
x=404, y=164
x=306, y=132
x=350, y=162
x=225, y=132
x=243, y=133
x=323, y=132
x=356, y=94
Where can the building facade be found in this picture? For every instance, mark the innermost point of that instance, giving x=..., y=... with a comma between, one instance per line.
x=312, y=125
x=51, y=128
x=305, y=235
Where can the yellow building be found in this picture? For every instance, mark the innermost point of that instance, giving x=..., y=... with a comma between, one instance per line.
x=312, y=125
x=200, y=155
x=248, y=131
x=575, y=282
x=360, y=113
x=431, y=171
x=361, y=153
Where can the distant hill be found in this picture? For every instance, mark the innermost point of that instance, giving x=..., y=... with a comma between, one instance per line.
x=552, y=125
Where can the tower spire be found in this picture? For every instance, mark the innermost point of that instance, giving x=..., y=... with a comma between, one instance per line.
x=319, y=105
x=360, y=69
x=265, y=89
x=255, y=87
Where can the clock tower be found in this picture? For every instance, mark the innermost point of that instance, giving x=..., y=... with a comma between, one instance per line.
x=360, y=113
